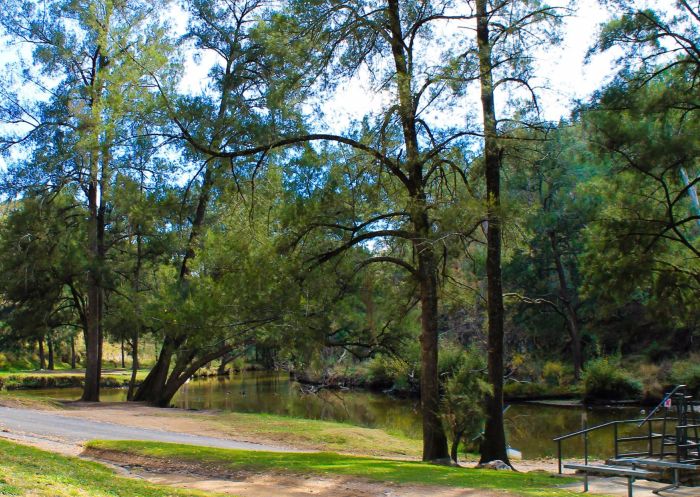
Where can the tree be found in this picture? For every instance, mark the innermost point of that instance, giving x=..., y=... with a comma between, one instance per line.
x=100, y=51
x=548, y=188
x=237, y=108
x=43, y=286
x=643, y=124
x=506, y=33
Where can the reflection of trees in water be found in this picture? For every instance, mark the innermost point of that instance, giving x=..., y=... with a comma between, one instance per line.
x=530, y=428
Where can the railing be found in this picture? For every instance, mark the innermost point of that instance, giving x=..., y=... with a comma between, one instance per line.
x=650, y=437
x=663, y=402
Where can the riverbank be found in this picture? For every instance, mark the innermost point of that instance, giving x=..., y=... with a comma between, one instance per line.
x=65, y=378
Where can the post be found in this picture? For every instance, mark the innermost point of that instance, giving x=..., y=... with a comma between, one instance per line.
x=585, y=448
x=617, y=452
x=559, y=454
x=651, y=440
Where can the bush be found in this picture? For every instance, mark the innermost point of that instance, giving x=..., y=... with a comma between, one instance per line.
x=687, y=373
x=463, y=400
x=389, y=372
x=604, y=379
x=556, y=374
x=650, y=377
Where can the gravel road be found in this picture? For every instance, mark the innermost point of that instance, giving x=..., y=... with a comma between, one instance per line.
x=52, y=427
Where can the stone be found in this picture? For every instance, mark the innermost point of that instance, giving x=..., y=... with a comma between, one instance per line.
x=498, y=465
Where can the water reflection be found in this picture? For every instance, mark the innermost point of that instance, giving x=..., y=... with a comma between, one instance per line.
x=530, y=428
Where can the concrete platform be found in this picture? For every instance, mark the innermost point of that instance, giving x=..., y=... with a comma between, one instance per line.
x=642, y=488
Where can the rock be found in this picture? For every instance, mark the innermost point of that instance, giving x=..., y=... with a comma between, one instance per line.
x=497, y=465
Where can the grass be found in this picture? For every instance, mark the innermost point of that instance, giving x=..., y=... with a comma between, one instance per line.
x=311, y=434
x=33, y=472
x=533, y=484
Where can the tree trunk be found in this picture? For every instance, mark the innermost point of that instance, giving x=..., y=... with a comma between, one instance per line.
x=154, y=384
x=434, y=439
x=567, y=298
x=72, y=352
x=42, y=358
x=454, y=455
x=134, y=366
x=494, y=443
x=122, y=350
x=49, y=341
x=184, y=369
x=93, y=345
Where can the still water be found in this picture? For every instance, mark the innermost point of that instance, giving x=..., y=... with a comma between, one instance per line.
x=530, y=427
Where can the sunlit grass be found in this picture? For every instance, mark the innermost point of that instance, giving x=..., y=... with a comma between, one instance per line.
x=534, y=484
x=27, y=471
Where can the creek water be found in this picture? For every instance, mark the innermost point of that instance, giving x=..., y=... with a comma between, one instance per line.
x=530, y=427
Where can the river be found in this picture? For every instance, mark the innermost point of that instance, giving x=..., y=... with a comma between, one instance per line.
x=530, y=427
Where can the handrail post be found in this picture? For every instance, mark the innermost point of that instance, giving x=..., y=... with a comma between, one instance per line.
x=559, y=454
x=617, y=452
x=585, y=448
x=651, y=442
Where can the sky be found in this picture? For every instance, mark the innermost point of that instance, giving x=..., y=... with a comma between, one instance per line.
x=561, y=68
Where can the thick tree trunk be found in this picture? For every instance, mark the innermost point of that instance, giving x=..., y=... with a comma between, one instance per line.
x=567, y=299
x=49, y=342
x=93, y=335
x=154, y=384
x=184, y=369
x=494, y=443
x=434, y=439
x=42, y=357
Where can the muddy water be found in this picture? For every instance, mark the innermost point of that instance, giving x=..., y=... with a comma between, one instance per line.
x=530, y=427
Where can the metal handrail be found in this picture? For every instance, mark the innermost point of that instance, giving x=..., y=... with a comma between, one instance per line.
x=604, y=425
x=586, y=431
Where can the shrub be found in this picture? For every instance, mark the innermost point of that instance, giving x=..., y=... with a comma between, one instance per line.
x=555, y=374
x=463, y=400
x=388, y=372
x=687, y=373
x=604, y=379
x=650, y=377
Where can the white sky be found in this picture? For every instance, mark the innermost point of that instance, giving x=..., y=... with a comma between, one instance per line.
x=561, y=68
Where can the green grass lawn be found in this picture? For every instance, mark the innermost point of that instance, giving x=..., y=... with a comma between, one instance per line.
x=534, y=484
x=27, y=471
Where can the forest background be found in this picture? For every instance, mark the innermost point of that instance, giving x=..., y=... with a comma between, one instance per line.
x=450, y=239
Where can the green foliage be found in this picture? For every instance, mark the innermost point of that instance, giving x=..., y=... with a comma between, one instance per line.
x=687, y=373
x=603, y=379
x=463, y=400
x=556, y=374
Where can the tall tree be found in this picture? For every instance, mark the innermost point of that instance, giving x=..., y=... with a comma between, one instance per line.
x=100, y=51
x=507, y=31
